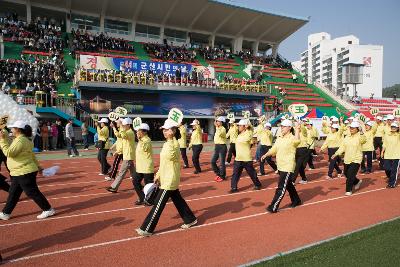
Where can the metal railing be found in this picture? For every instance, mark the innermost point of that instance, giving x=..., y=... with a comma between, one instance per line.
x=337, y=98
x=68, y=106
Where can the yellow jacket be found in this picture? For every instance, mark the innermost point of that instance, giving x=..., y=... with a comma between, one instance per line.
x=380, y=129
x=352, y=148
x=195, y=138
x=169, y=171
x=103, y=135
x=265, y=137
x=128, y=144
x=303, y=137
x=312, y=136
x=333, y=140
x=144, y=156
x=285, y=151
x=220, y=135
x=118, y=142
x=20, y=158
x=232, y=133
x=369, y=144
x=392, y=146
x=242, y=145
x=182, y=140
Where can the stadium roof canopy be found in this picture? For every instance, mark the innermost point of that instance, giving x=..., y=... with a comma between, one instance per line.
x=221, y=18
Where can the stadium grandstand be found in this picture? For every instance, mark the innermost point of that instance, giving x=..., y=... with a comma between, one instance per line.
x=70, y=58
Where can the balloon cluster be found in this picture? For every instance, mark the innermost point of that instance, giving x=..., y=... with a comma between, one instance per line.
x=16, y=113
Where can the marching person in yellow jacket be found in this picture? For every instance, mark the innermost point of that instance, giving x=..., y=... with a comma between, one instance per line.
x=352, y=149
x=265, y=137
x=103, y=145
x=128, y=154
x=182, y=145
x=391, y=154
x=23, y=166
x=257, y=131
x=3, y=184
x=285, y=151
x=368, y=147
x=333, y=140
x=312, y=137
x=219, y=150
x=144, y=162
x=117, y=146
x=243, y=158
x=168, y=178
x=232, y=135
x=302, y=155
x=379, y=128
x=196, y=144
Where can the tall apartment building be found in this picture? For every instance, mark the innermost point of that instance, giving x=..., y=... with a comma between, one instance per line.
x=324, y=59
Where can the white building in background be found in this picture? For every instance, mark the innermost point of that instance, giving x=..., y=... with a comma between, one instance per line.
x=322, y=62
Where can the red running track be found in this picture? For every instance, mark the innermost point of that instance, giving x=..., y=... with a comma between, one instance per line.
x=95, y=227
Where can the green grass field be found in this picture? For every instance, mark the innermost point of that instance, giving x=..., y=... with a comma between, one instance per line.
x=378, y=246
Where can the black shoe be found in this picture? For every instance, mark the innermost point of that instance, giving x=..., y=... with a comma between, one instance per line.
x=139, y=202
x=367, y=172
x=148, y=204
x=362, y=171
x=270, y=210
x=257, y=187
x=197, y=172
x=233, y=190
x=390, y=186
x=112, y=190
x=186, y=166
x=295, y=204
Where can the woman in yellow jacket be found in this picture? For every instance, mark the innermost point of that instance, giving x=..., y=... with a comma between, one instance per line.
x=352, y=149
x=117, y=146
x=302, y=155
x=368, y=147
x=3, y=184
x=232, y=135
x=182, y=145
x=196, y=144
x=103, y=145
x=168, y=178
x=265, y=137
x=219, y=150
x=333, y=141
x=285, y=151
x=23, y=167
x=391, y=154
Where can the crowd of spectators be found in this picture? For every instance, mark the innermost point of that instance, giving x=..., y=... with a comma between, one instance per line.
x=215, y=53
x=41, y=35
x=166, y=52
x=85, y=41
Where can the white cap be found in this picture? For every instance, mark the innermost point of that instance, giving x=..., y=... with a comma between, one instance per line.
x=394, y=125
x=346, y=122
x=379, y=118
x=243, y=122
x=334, y=119
x=287, y=123
x=385, y=118
x=351, y=118
x=309, y=122
x=195, y=122
x=143, y=126
x=355, y=124
x=127, y=121
x=267, y=125
x=168, y=124
x=103, y=120
x=17, y=124
x=148, y=188
x=221, y=119
x=390, y=117
x=232, y=121
x=335, y=126
x=304, y=119
x=370, y=123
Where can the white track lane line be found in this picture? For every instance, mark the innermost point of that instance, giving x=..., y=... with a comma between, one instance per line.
x=178, y=230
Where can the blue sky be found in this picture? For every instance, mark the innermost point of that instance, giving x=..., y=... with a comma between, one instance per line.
x=373, y=22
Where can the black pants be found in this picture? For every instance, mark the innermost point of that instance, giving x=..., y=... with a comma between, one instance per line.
x=152, y=218
x=72, y=146
x=231, y=151
x=392, y=170
x=368, y=155
x=301, y=157
x=3, y=184
x=310, y=160
x=333, y=163
x=378, y=143
x=114, y=168
x=350, y=170
x=184, y=157
x=285, y=183
x=263, y=150
x=219, y=153
x=238, y=167
x=25, y=183
x=102, y=158
x=196, y=156
x=137, y=183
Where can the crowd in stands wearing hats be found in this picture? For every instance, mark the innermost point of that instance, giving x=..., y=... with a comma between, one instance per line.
x=85, y=41
x=165, y=52
x=41, y=35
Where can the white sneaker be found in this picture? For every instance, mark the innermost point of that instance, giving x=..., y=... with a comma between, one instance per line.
x=46, y=213
x=143, y=233
x=302, y=182
x=100, y=174
x=339, y=175
x=71, y=156
x=227, y=163
x=86, y=149
x=107, y=178
x=310, y=169
x=357, y=186
x=4, y=216
x=187, y=226
x=348, y=193
x=276, y=172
